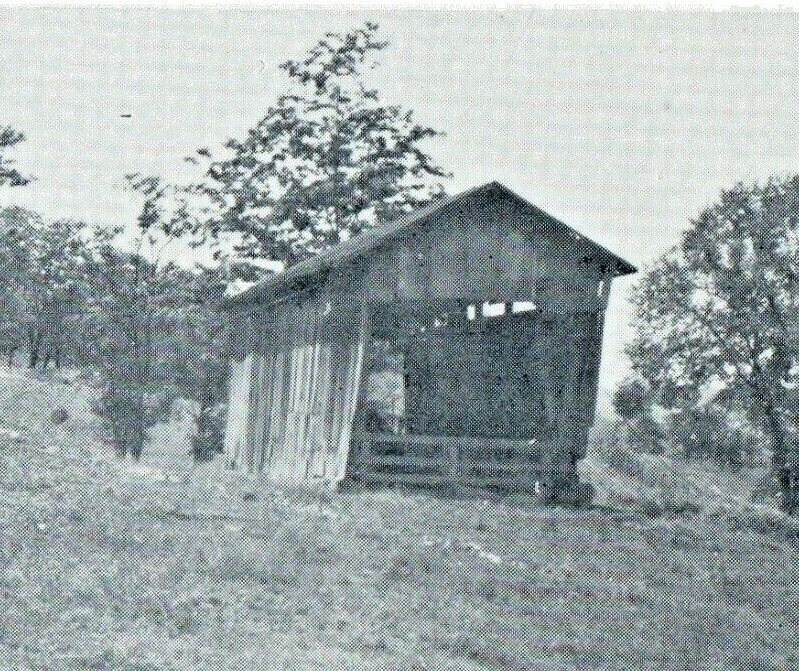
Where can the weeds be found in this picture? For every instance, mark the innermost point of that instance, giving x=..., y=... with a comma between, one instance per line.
x=313, y=581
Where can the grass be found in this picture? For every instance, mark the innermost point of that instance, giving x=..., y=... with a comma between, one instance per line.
x=165, y=566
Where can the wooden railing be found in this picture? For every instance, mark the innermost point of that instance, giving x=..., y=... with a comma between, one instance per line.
x=430, y=460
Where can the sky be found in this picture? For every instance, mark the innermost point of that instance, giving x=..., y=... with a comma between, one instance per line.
x=624, y=124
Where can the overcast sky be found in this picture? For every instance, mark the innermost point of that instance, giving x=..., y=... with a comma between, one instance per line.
x=623, y=124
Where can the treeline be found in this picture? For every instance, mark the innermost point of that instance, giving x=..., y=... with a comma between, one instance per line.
x=328, y=159
x=145, y=331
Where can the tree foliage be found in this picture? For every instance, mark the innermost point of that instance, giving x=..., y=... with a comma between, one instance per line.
x=9, y=175
x=632, y=398
x=328, y=159
x=192, y=350
x=710, y=432
x=15, y=226
x=153, y=331
x=55, y=291
x=719, y=311
x=42, y=273
x=123, y=327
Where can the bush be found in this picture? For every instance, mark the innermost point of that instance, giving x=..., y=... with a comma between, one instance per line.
x=640, y=435
x=625, y=461
x=126, y=416
x=645, y=435
x=632, y=398
x=210, y=437
x=59, y=416
x=661, y=489
x=709, y=432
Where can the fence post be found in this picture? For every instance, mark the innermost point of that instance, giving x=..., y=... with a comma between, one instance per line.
x=453, y=449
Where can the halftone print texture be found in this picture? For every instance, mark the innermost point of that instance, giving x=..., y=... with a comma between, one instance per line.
x=397, y=339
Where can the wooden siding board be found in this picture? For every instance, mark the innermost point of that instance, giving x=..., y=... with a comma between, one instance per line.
x=302, y=388
x=475, y=254
x=351, y=392
x=238, y=409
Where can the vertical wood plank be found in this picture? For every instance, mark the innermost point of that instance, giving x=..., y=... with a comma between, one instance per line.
x=238, y=410
x=351, y=391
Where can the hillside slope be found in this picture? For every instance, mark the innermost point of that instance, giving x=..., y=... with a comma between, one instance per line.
x=105, y=566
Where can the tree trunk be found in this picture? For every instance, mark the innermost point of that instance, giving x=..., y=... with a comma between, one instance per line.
x=35, y=349
x=138, y=445
x=781, y=469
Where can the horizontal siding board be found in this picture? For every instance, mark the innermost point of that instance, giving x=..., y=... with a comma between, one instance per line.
x=436, y=480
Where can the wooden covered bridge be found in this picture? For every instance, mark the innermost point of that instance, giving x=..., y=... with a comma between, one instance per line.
x=459, y=344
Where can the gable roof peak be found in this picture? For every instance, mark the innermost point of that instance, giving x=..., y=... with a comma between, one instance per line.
x=367, y=240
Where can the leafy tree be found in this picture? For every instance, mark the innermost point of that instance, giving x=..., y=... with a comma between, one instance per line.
x=41, y=266
x=127, y=313
x=54, y=292
x=17, y=227
x=328, y=160
x=707, y=432
x=9, y=175
x=719, y=310
x=14, y=222
x=124, y=315
x=153, y=330
x=150, y=336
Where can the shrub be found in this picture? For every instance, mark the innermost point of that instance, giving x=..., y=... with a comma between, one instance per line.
x=632, y=398
x=624, y=461
x=708, y=432
x=640, y=435
x=209, y=440
x=645, y=435
x=660, y=487
x=126, y=416
x=59, y=415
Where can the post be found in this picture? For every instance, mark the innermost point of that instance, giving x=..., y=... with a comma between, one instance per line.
x=454, y=454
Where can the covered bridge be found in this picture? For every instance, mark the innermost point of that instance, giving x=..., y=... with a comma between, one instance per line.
x=459, y=344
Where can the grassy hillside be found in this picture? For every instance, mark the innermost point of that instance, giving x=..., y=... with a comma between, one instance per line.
x=105, y=566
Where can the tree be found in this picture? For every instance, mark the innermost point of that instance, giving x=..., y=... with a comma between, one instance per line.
x=719, y=310
x=155, y=336
x=42, y=273
x=153, y=329
x=126, y=316
x=192, y=352
x=709, y=432
x=13, y=255
x=328, y=160
x=17, y=228
x=54, y=292
x=130, y=333
x=9, y=175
